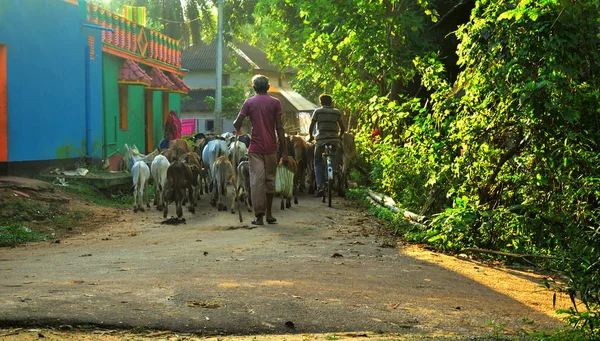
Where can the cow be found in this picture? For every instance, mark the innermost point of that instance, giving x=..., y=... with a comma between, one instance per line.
x=297, y=149
x=192, y=159
x=222, y=172
x=347, y=160
x=199, y=144
x=160, y=164
x=238, y=153
x=213, y=150
x=292, y=165
x=244, y=192
x=180, y=179
x=309, y=157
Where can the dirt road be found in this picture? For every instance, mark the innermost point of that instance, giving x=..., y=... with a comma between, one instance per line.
x=319, y=270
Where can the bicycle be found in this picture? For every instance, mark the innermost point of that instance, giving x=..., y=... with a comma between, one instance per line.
x=328, y=158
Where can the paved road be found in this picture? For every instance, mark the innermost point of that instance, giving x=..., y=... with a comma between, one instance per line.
x=319, y=270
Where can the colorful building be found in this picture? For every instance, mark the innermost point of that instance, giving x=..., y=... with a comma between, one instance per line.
x=141, y=72
x=78, y=82
x=50, y=85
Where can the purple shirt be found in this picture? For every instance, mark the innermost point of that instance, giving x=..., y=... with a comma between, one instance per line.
x=262, y=110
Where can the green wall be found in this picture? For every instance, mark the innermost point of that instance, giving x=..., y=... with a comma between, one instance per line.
x=114, y=137
x=157, y=122
x=110, y=68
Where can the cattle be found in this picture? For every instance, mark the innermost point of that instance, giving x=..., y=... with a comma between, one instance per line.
x=159, y=168
x=227, y=136
x=297, y=149
x=245, y=138
x=222, y=172
x=244, y=193
x=180, y=179
x=238, y=153
x=192, y=159
x=347, y=160
x=199, y=145
x=213, y=150
x=309, y=156
x=292, y=165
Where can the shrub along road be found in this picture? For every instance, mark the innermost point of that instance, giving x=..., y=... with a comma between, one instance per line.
x=319, y=270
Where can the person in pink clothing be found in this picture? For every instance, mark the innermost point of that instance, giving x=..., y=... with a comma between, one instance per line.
x=173, y=127
x=264, y=112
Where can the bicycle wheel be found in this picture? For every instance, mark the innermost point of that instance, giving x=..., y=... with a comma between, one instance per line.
x=329, y=190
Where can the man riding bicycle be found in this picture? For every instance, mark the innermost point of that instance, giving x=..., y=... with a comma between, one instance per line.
x=329, y=122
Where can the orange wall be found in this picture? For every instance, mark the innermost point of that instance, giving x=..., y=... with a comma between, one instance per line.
x=3, y=107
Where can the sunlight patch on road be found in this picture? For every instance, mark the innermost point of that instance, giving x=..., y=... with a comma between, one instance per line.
x=276, y=283
x=521, y=286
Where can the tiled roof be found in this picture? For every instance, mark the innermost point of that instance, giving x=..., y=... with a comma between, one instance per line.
x=204, y=57
x=131, y=73
x=160, y=81
x=259, y=57
x=197, y=100
x=179, y=83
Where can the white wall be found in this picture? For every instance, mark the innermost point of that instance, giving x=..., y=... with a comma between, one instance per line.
x=208, y=79
x=203, y=117
x=201, y=79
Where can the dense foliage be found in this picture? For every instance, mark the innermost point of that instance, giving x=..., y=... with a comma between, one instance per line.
x=501, y=149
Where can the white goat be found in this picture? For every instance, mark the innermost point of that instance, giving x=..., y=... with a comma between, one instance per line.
x=160, y=164
x=135, y=155
x=140, y=174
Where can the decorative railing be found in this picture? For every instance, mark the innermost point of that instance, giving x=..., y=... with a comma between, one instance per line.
x=135, y=38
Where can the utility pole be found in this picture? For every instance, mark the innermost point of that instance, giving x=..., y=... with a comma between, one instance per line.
x=219, y=70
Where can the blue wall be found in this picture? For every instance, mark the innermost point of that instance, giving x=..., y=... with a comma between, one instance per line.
x=45, y=45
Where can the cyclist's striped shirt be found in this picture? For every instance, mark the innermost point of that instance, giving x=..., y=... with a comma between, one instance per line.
x=327, y=119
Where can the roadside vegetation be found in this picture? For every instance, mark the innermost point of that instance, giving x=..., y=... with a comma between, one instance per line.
x=26, y=218
x=488, y=119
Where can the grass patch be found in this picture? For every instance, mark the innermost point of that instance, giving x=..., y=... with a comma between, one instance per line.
x=24, y=220
x=115, y=198
x=16, y=234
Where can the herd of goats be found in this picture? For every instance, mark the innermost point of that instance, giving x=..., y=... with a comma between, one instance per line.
x=181, y=173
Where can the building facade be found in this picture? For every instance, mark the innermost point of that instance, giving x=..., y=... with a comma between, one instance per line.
x=50, y=85
x=241, y=62
x=78, y=82
x=141, y=72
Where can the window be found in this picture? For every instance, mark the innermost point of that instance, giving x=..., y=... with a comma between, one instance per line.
x=226, y=79
x=209, y=125
x=123, y=107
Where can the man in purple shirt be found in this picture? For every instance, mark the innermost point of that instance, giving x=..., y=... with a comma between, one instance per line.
x=265, y=114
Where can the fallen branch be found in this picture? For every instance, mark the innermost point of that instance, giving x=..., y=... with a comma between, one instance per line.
x=377, y=204
x=388, y=202
x=506, y=254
